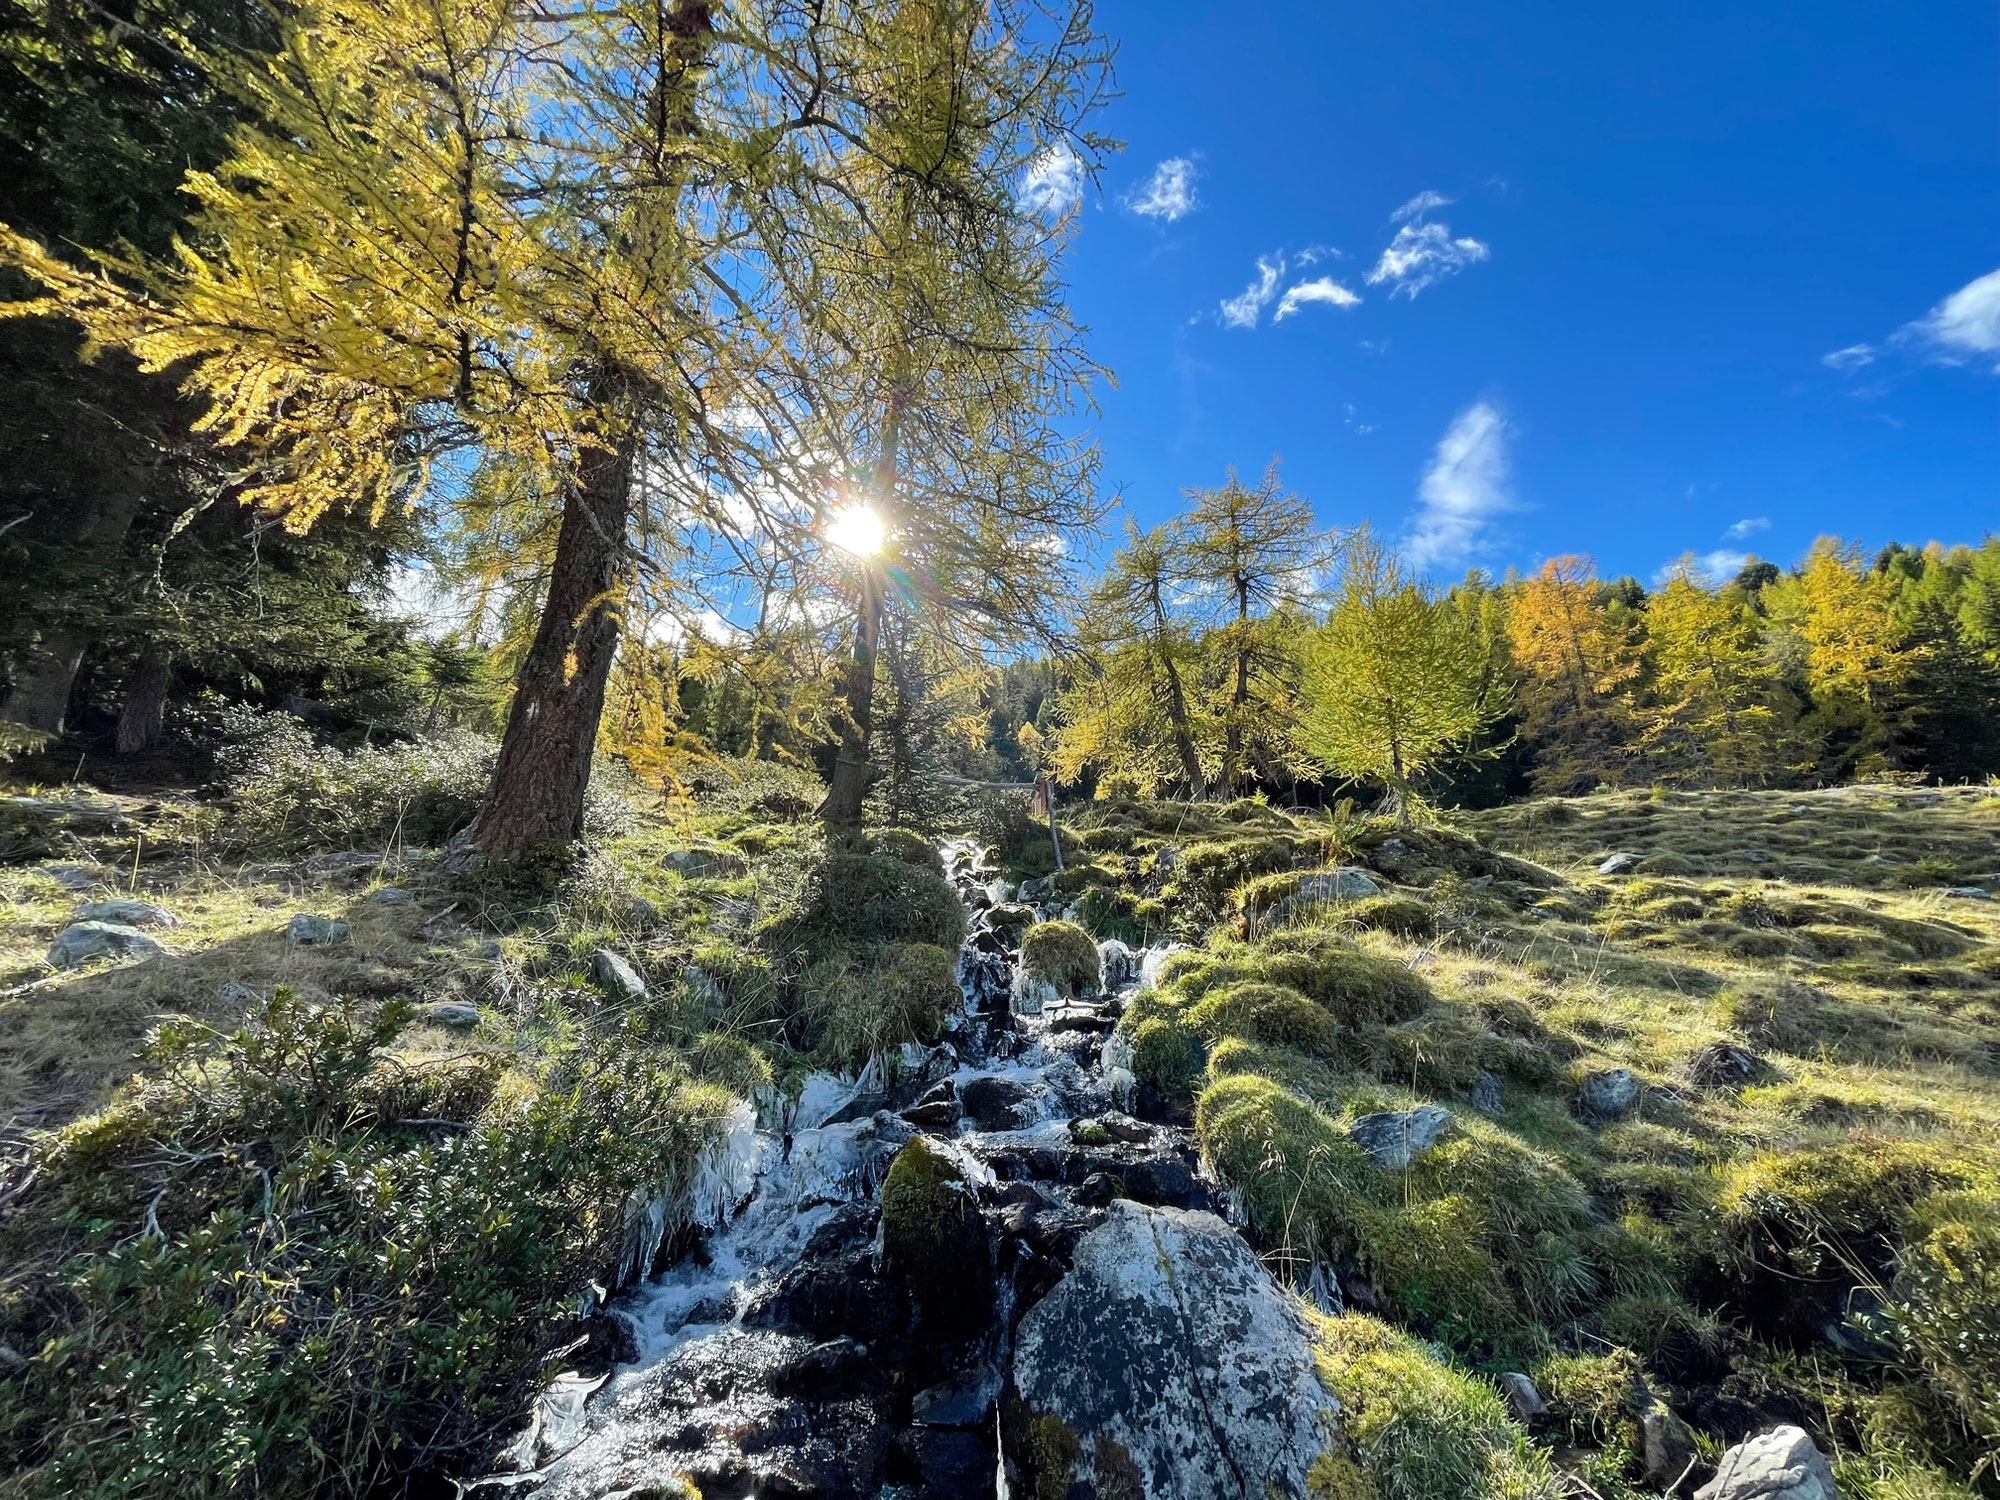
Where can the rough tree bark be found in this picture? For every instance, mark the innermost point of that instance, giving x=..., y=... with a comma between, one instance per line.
x=144, y=718
x=39, y=697
x=1177, y=714
x=535, y=804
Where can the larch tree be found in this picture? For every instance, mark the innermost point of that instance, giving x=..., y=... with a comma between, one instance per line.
x=578, y=242
x=1252, y=556
x=1710, y=719
x=1129, y=707
x=1576, y=658
x=1396, y=681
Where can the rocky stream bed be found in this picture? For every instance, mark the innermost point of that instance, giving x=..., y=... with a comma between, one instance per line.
x=1048, y=1294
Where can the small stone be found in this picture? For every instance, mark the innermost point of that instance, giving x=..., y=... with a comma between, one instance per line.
x=1524, y=1402
x=641, y=913
x=312, y=931
x=1343, y=883
x=392, y=895
x=1619, y=864
x=1119, y=964
x=490, y=949
x=1007, y=914
x=233, y=993
x=1040, y=888
x=706, y=864
x=939, y=1114
x=1781, y=1464
x=1722, y=1065
x=454, y=1013
x=1090, y=1133
x=1395, y=1138
x=1966, y=893
x=130, y=911
x=616, y=976
x=1666, y=1443
x=1486, y=1097
x=1608, y=1094
x=82, y=941
x=1096, y=1190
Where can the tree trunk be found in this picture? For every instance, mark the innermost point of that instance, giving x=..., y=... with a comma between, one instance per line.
x=1177, y=715
x=1239, y=701
x=852, y=773
x=535, y=805
x=39, y=697
x=144, y=717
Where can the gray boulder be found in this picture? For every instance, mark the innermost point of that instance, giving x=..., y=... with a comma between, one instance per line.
x=995, y=1103
x=616, y=976
x=1967, y=893
x=1608, y=1094
x=311, y=931
x=1620, y=864
x=1166, y=1316
x=1781, y=1464
x=393, y=895
x=1524, y=1402
x=1395, y=1138
x=82, y=941
x=1120, y=965
x=130, y=911
x=1487, y=1096
x=1666, y=1443
x=453, y=1013
x=706, y=864
x=1342, y=883
x=1039, y=888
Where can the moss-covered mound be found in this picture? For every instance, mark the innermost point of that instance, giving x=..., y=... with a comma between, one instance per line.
x=861, y=897
x=861, y=1000
x=1064, y=955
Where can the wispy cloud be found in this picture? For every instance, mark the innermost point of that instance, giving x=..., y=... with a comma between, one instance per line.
x=1169, y=193
x=1053, y=182
x=1428, y=201
x=1710, y=569
x=1244, y=309
x=1423, y=254
x=1320, y=289
x=1464, y=488
x=1962, y=329
x=1748, y=526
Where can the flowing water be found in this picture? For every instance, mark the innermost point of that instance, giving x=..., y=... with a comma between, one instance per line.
x=776, y=1358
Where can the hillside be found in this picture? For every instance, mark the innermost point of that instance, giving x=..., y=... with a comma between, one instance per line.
x=1713, y=1137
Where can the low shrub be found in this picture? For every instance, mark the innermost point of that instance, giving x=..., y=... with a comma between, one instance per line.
x=1266, y=1013
x=1943, y=1312
x=859, y=1001
x=1414, y=1428
x=1405, y=916
x=235, y=1281
x=1064, y=955
x=873, y=898
x=1167, y=1057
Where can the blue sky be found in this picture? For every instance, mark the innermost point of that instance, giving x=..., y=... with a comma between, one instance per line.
x=1629, y=239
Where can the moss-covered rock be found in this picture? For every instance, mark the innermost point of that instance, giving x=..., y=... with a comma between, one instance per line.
x=934, y=1241
x=1266, y=1013
x=868, y=897
x=1167, y=1057
x=1062, y=954
x=1405, y=916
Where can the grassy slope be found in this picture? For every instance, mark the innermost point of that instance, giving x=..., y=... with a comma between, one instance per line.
x=1721, y=1226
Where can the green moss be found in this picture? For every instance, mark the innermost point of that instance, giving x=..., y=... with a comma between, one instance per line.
x=1594, y=1401
x=1064, y=955
x=1266, y=1013
x=1302, y=1179
x=905, y=845
x=730, y=1062
x=1405, y=916
x=933, y=1239
x=856, y=1002
x=1355, y=986
x=1774, y=1012
x=1420, y=1429
x=1167, y=1056
x=1219, y=867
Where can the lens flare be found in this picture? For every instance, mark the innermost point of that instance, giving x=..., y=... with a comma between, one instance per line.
x=857, y=530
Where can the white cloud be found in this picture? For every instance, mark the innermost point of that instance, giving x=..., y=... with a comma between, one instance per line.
x=1168, y=193
x=1243, y=310
x=1853, y=357
x=1420, y=205
x=1965, y=325
x=1321, y=289
x=1423, y=253
x=1748, y=526
x=1053, y=183
x=1463, y=489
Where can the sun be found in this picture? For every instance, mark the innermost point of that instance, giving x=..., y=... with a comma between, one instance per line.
x=858, y=530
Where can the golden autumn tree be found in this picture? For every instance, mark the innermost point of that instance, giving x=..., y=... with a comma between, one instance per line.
x=1711, y=719
x=580, y=242
x=1576, y=658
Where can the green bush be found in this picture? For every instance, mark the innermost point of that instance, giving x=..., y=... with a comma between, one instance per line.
x=1167, y=1056
x=1414, y=1428
x=905, y=845
x=236, y=1281
x=1063, y=954
x=874, y=898
x=859, y=1001
x=1944, y=1314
